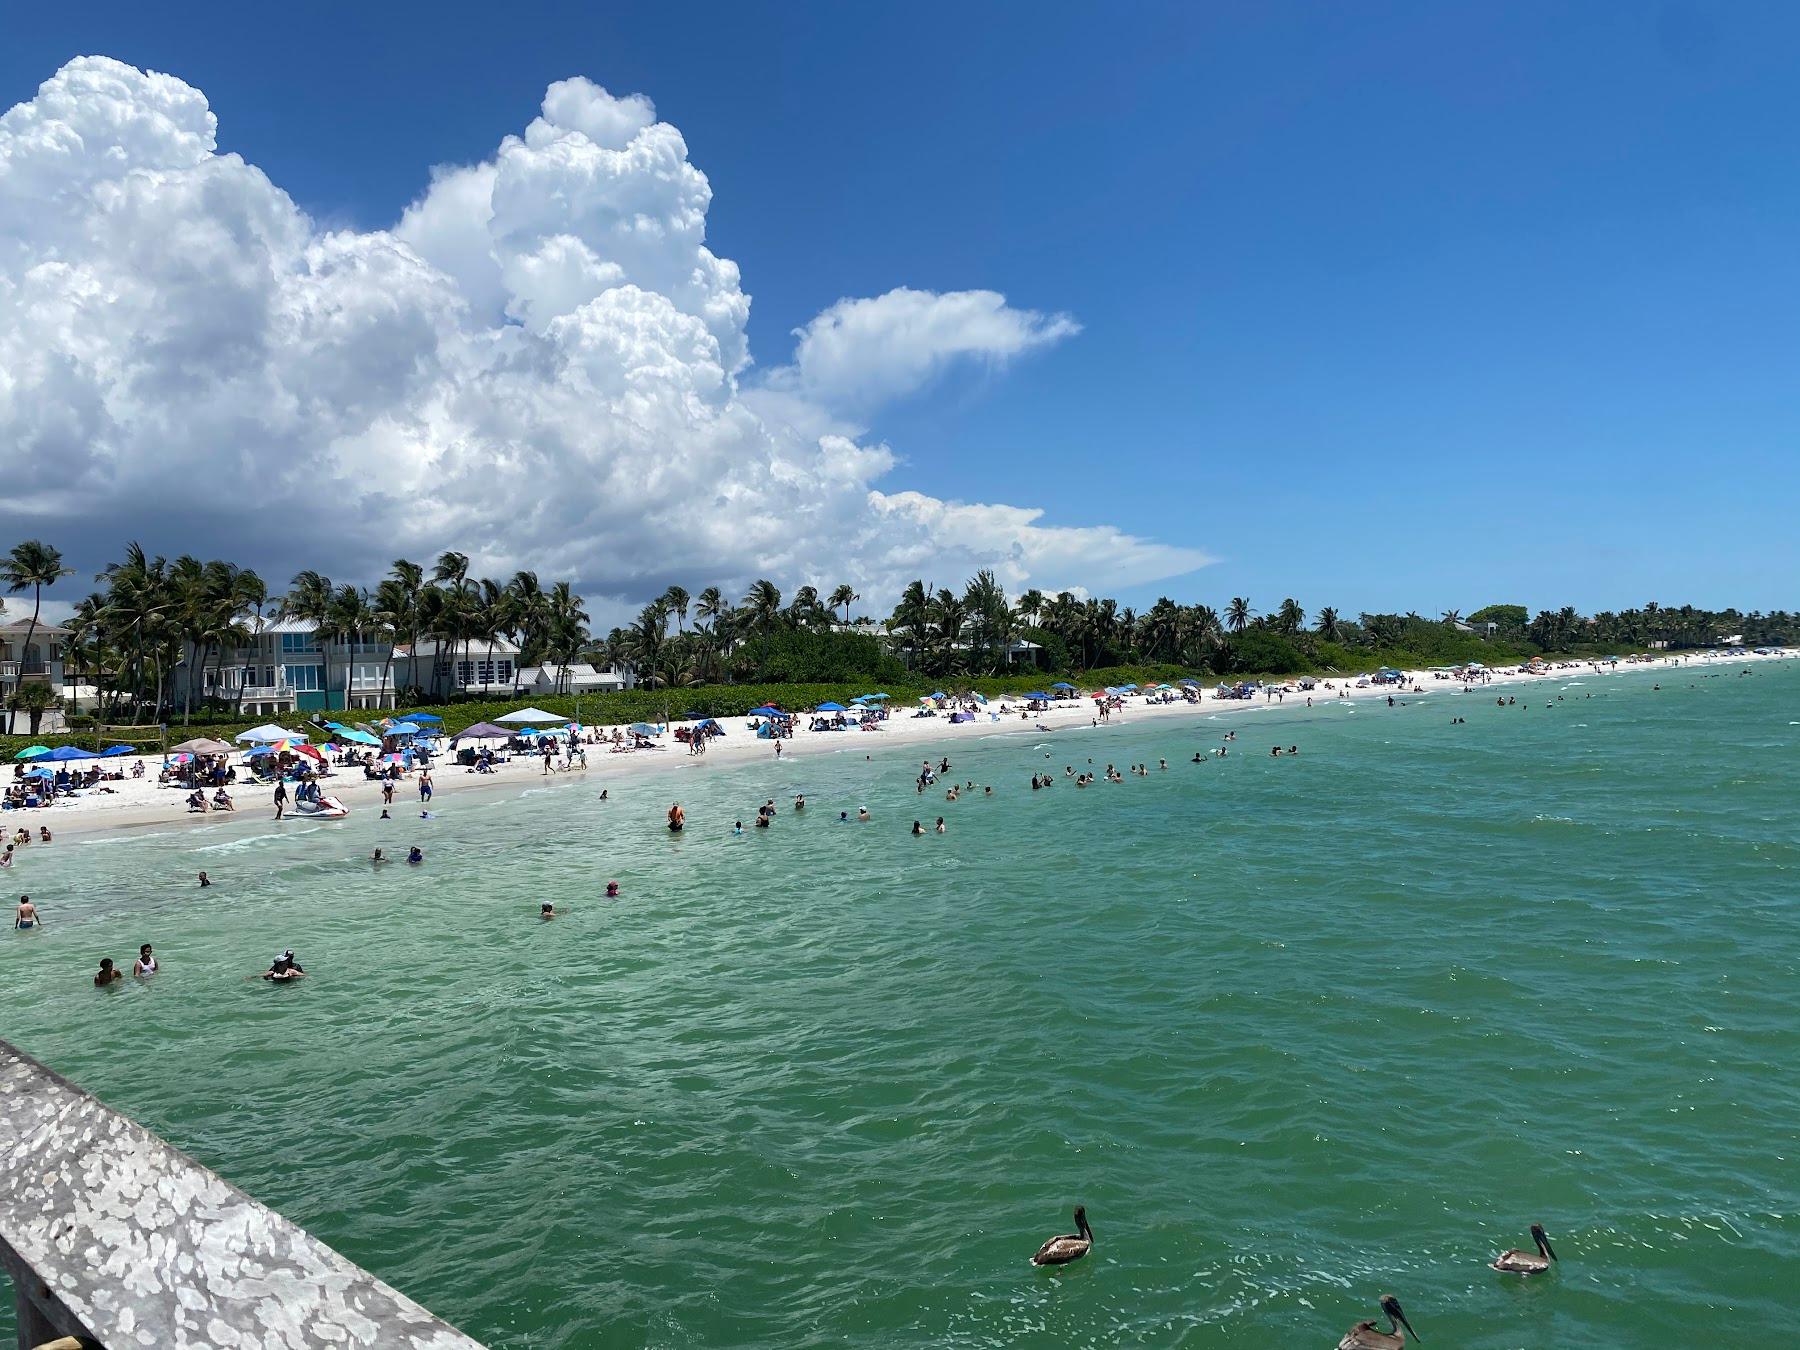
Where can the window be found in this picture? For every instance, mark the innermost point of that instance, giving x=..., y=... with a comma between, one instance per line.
x=303, y=678
x=298, y=644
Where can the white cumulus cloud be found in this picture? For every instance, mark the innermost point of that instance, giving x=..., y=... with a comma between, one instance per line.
x=540, y=365
x=859, y=354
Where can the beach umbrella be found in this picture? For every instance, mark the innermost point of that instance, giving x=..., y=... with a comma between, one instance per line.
x=1192, y=684
x=1039, y=694
x=979, y=698
x=940, y=694
x=831, y=707
x=1124, y=687
x=65, y=752
x=424, y=717
x=356, y=737
x=1062, y=684
x=524, y=715
x=32, y=752
x=641, y=729
x=875, y=696
x=485, y=731
x=202, y=745
x=40, y=773
x=123, y=750
x=265, y=734
x=402, y=729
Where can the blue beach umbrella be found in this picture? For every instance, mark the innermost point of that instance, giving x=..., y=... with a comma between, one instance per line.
x=1039, y=694
x=831, y=707
x=63, y=752
x=424, y=717
x=402, y=729
x=1192, y=684
x=641, y=729
x=40, y=773
x=875, y=696
x=117, y=750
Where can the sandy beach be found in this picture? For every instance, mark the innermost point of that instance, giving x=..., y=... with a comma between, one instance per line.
x=136, y=803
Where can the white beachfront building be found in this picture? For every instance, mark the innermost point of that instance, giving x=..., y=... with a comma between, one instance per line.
x=283, y=667
x=574, y=679
x=40, y=662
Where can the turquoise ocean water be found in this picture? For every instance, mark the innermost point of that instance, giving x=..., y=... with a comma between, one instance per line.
x=1297, y=1032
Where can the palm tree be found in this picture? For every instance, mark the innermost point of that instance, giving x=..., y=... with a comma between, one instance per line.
x=842, y=598
x=806, y=610
x=1290, y=616
x=911, y=615
x=309, y=598
x=763, y=602
x=348, y=618
x=676, y=600
x=1452, y=617
x=1326, y=625
x=403, y=597
x=31, y=565
x=1237, y=614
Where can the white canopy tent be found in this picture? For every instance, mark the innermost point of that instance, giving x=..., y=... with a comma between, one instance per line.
x=527, y=715
x=267, y=733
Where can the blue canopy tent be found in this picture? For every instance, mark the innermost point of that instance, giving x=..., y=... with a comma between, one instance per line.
x=1062, y=684
x=1192, y=684
x=767, y=711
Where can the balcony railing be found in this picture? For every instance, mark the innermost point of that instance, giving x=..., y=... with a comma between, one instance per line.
x=252, y=693
x=12, y=670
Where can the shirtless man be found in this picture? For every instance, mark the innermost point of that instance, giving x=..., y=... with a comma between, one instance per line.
x=27, y=916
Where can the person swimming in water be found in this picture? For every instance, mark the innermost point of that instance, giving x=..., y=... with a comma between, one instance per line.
x=284, y=967
x=862, y=815
x=940, y=824
x=378, y=857
x=918, y=828
x=612, y=890
x=547, y=911
x=737, y=827
x=415, y=854
x=677, y=819
x=145, y=963
x=107, y=974
x=26, y=916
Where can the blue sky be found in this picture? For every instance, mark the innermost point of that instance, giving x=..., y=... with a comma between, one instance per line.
x=1384, y=306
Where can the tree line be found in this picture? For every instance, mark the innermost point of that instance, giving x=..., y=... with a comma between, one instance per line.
x=150, y=616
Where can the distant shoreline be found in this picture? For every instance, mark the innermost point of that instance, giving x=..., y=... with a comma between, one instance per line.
x=140, y=804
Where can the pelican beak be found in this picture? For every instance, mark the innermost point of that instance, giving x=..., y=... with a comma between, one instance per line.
x=1400, y=1317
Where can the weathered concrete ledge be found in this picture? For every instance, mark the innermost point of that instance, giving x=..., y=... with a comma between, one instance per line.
x=110, y=1233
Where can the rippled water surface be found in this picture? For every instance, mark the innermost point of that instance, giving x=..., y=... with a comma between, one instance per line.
x=1297, y=1032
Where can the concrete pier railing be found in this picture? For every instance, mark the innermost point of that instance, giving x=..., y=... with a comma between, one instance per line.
x=114, y=1238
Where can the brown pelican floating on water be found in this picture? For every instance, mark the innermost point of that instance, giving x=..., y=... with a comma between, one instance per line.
x=1365, y=1336
x=1516, y=1262
x=1059, y=1251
